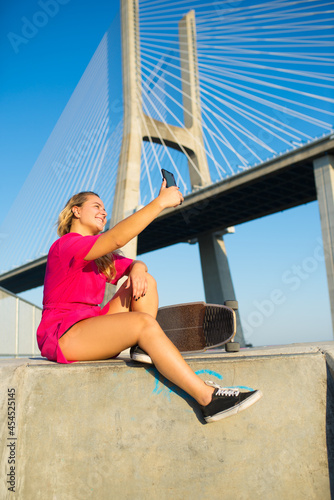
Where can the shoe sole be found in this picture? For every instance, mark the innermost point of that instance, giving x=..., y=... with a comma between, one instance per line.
x=142, y=358
x=236, y=409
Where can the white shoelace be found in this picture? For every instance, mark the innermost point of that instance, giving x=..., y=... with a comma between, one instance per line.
x=223, y=391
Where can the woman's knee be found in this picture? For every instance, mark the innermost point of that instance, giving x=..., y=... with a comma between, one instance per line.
x=145, y=320
x=147, y=324
x=151, y=281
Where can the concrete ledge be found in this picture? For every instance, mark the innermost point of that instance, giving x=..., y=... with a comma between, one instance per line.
x=116, y=429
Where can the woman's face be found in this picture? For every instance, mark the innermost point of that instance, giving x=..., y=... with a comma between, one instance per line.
x=92, y=216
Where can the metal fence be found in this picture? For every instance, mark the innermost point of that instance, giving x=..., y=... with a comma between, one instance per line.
x=19, y=320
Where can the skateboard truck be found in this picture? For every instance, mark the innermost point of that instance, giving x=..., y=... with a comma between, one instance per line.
x=232, y=346
x=197, y=326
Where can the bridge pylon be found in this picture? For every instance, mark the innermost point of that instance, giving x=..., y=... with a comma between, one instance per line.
x=139, y=127
x=217, y=279
x=324, y=182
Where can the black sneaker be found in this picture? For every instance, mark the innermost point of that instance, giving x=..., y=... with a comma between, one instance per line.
x=226, y=402
x=137, y=354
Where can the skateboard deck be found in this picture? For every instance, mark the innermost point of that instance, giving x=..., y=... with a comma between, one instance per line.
x=197, y=326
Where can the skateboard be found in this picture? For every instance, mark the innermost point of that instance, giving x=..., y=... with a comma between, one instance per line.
x=197, y=326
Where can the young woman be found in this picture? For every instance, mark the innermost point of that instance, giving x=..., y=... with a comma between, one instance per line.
x=75, y=328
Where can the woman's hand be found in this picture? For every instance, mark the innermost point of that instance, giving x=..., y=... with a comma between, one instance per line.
x=137, y=279
x=170, y=197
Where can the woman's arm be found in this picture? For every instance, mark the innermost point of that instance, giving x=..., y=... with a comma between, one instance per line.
x=130, y=227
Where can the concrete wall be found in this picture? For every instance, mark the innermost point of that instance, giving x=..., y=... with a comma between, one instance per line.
x=115, y=429
x=19, y=320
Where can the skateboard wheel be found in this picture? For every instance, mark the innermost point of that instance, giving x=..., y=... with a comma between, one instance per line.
x=233, y=304
x=232, y=347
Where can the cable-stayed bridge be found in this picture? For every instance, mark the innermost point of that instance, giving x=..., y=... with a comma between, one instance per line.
x=235, y=97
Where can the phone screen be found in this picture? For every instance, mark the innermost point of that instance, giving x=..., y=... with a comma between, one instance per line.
x=169, y=177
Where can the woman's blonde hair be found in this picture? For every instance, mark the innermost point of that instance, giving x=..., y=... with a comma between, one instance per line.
x=104, y=264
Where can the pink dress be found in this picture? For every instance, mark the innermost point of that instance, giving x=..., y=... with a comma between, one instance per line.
x=73, y=288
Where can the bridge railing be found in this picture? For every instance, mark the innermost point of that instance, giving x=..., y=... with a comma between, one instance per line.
x=19, y=320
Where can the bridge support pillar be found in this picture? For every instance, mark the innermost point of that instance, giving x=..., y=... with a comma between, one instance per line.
x=324, y=181
x=217, y=278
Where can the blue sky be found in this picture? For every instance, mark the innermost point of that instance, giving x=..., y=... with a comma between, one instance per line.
x=276, y=262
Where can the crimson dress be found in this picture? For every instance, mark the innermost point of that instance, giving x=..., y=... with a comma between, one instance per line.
x=73, y=288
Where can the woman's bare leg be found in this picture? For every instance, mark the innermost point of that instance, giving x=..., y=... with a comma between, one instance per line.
x=105, y=336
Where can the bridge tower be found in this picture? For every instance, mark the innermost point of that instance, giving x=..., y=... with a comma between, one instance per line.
x=139, y=127
x=324, y=182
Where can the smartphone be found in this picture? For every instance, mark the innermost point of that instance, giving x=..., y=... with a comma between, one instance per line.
x=169, y=177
